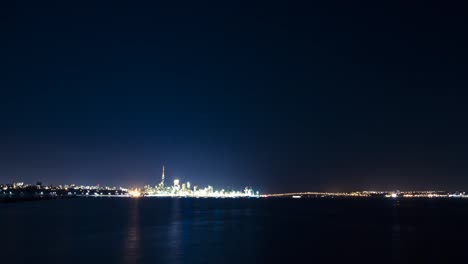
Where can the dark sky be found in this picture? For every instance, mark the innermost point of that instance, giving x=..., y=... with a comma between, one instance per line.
x=282, y=96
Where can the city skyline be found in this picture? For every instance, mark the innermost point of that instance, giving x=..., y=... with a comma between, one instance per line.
x=141, y=184
x=181, y=189
x=160, y=189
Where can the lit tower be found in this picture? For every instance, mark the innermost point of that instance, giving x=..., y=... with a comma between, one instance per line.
x=162, y=178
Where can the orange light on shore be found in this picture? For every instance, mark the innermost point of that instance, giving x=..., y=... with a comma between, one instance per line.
x=134, y=193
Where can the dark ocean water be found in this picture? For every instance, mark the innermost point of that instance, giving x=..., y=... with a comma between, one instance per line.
x=152, y=230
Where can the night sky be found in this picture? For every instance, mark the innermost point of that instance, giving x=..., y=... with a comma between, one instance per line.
x=281, y=96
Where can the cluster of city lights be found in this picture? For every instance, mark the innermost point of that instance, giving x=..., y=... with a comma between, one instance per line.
x=384, y=194
x=178, y=189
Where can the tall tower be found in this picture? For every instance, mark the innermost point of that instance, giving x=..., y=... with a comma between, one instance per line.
x=162, y=178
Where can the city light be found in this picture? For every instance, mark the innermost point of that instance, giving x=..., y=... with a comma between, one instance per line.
x=178, y=189
x=181, y=189
x=134, y=193
x=189, y=190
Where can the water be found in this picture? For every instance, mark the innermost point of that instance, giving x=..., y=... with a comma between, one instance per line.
x=152, y=230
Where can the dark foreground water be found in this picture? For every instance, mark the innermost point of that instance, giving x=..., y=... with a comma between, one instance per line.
x=151, y=230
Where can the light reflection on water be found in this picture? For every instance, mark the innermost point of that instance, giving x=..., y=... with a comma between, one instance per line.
x=174, y=235
x=132, y=251
x=232, y=231
x=396, y=232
